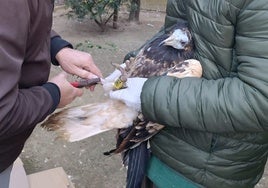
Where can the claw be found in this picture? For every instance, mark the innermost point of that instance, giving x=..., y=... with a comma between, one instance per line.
x=127, y=62
x=118, y=67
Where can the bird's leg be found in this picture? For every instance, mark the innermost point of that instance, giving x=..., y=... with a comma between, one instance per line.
x=120, y=83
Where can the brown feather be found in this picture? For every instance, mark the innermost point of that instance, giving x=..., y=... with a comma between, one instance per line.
x=77, y=123
x=155, y=60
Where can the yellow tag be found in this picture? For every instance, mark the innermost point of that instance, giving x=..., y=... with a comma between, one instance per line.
x=118, y=84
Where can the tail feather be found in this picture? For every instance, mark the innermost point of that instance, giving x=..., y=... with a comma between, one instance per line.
x=77, y=123
x=138, y=160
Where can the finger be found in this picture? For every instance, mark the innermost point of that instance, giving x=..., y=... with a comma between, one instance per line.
x=82, y=73
x=63, y=74
x=94, y=69
x=79, y=92
x=91, y=88
x=91, y=75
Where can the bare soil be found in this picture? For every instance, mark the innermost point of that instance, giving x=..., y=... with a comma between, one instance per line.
x=84, y=161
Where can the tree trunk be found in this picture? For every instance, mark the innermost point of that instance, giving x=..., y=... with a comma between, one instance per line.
x=115, y=18
x=134, y=14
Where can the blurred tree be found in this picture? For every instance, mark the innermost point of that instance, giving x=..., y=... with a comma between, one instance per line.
x=134, y=14
x=101, y=11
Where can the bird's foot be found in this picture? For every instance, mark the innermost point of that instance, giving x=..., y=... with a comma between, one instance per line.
x=129, y=63
x=120, y=83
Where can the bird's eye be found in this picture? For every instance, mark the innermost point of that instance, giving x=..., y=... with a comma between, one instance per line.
x=183, y=43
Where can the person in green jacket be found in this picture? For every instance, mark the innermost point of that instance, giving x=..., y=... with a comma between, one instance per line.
x=216, y=127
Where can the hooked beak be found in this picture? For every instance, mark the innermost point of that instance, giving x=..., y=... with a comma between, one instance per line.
x=169, y=41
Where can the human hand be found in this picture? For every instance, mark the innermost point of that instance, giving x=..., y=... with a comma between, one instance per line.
x=130, y=95
x=67, y=91
x=78, y=63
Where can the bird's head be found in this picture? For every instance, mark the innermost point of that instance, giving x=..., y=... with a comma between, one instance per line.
x=180, y=38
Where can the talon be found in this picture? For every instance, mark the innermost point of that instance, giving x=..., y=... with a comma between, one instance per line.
x=118, y=67
x=131, y=59
x=127, y=68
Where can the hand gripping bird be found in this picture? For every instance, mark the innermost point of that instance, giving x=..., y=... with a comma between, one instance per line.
x=170, y=54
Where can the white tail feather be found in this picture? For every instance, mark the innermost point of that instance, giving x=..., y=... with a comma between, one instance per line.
x=77, y=123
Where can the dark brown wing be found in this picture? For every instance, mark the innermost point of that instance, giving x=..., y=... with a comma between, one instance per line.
x=140, y=131
x=155, y=59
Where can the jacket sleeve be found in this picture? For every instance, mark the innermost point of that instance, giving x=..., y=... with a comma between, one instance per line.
x=231, y=104
x=57, y=43
x=175, y=12
x=20, y=109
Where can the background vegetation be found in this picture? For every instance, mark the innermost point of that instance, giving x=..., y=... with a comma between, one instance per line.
x=103, y=11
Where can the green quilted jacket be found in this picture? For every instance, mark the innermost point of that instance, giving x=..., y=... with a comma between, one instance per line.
x=216, y=127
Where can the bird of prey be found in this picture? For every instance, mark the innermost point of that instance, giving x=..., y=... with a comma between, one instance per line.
x=170, y=54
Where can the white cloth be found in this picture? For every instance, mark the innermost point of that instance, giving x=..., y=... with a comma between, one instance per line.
x=130, y=95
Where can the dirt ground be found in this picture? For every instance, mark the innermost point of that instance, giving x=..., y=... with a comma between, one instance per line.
x=83, y=161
